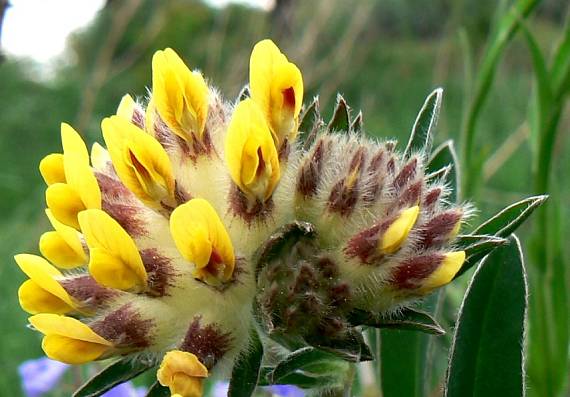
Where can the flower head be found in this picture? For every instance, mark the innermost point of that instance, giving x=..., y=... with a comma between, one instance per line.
x=198, y=209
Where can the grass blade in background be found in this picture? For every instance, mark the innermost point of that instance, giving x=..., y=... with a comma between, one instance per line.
x=486, y=358
x=503, y=33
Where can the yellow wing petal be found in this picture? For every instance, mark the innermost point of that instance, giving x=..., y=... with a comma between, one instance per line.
x=53, y=324
x=114, y=258
x=64, y=203
x=35, y=299
x=44, y=274
x=51, y=168
x=72, y=351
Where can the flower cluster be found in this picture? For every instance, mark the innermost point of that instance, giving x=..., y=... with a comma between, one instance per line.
x=164, y=240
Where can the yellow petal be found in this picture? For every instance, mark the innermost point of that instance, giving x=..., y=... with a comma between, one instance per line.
x=183, y=373
x=126, y=108
x=180, y=95
x=53, y=324
x=99, y=157
x=63, y=246
x=398, y=231
x=51, y=168
x=140, y=161
x=202, y=239
x=68, y=339
x=64, y=203
x=449, y=267
x=73, y=143
x=34, y=299
x=277, y=86
x=57, y=251
x=43, y=274
x=71, y=351
x=250, y=153
x=114, y=260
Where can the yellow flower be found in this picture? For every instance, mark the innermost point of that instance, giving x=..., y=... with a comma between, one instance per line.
x=250, y=152
x=42, y=293
x=448, y=268
x=277, y=86
x=79, y=191
x=140, y=161
x=398, y=231
x=126, y=107
x=180, y=95
x=202, y=239
x=62, y=246
x=114, y=260
x=51, y=168
x=183, y=373
x=68, y=339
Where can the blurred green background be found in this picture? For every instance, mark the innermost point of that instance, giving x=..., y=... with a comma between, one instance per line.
x=385, y=56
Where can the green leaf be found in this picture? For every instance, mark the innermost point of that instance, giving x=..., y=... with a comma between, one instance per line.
x=422, y=131
x=245, y=373
x=301, y=379
x=157, y=390
x=404, y=358
x=340, y=120
x=351, y=347
x=476, y=247
x=509, y=219
x=114, y=374
x=560, y=70
x=409, y=319
x=486, y=357
x=298, y=360
x=442, y=157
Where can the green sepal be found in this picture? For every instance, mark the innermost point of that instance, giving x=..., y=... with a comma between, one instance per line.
x=408, y=319
x=351, y=347
x=114, y=374
x=308, y=118
x=476, y=247
x=422, y=131
x=445, y=157
x=246, y=370
x=340, y=120
x=357, y=124
x=298, y=360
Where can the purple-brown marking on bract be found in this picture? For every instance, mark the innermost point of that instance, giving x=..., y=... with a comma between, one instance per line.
x=406, y=174
x=391, y=166
x=438, y=229
x=284, y=151
x=310, y=172
x=112, y=188
x=88, y=292
x=127, y=216
x=344, y=194
x=339, y=295
x=306, y=279
x=240, y=206
x=209, y=343
x=125, y=327
x=159, y=269
x=180, y=194
x=138, y=118
x=410, y=273
x=365, y=244
x=431, y=198
x=411, y=195
x=327, y=267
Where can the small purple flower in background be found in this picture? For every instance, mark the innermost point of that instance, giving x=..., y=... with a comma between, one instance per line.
x=221, y=390
x=42, y=375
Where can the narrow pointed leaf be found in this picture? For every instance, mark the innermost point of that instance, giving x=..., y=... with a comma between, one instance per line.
x=487, y=352
x=114, y=374
x=509, y=219
x=423, y=129
x=445, y=156
x=351, y=348
x=409, y=319
x=245, y=373
x=340, y=120
x=157, y=390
